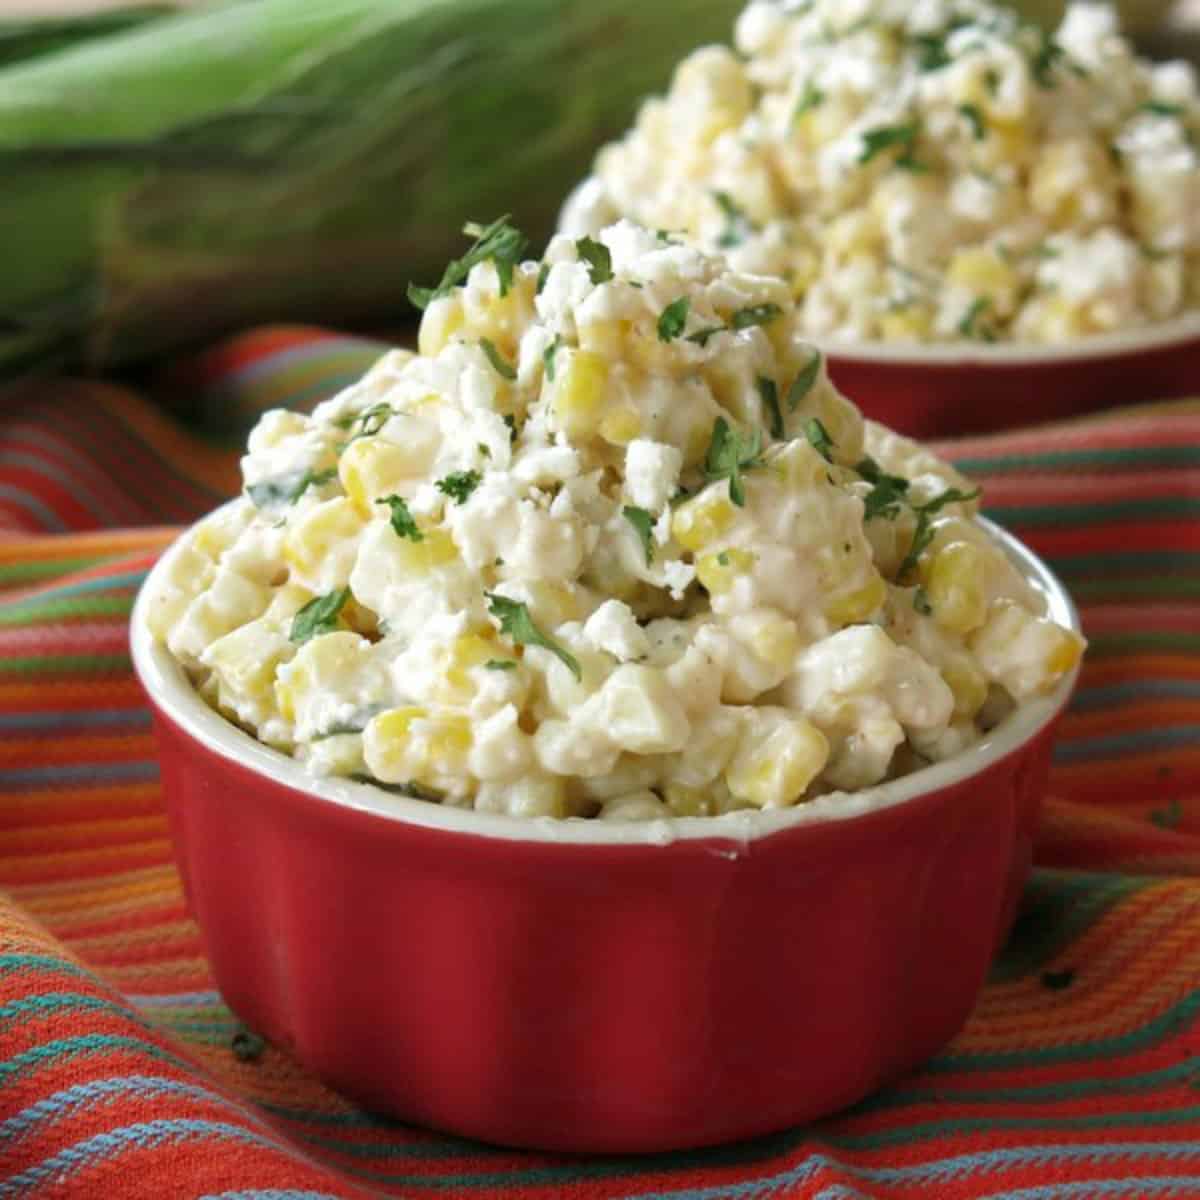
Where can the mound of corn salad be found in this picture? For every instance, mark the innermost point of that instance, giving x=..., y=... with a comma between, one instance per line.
x=611, y=544
x=931, y=171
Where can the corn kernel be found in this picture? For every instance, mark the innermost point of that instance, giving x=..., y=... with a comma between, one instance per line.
x=442, y=320
x=315, y=665
x=719, y=571
x=246, y=659
x=986, y=275
x=371, y=468
x=322, y=544
x=604, y=338
x=780, y=755
x=415, y=745
x=967, y=685
x=1065, y=652
x=619, y=426
x=468, y=651
x=579, y=393
x=858, y=605
x=702, y=520
x=911, y=323
x=774, y=638
x=435, y=549
x=956, y=587
x=686, y=801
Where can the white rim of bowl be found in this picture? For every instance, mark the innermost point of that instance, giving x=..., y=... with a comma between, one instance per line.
x=168, y=686
x=1142, y=340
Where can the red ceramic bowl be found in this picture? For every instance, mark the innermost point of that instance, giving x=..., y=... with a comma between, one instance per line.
x=944, y=390
x=598, y=986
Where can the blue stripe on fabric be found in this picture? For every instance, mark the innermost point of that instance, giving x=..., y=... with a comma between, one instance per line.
x=41, y=962
x=1120, y=744
x=51, y=521
x=99, y=1090
x=271, y=1194
x=1115, y=694
x=55, y=774
x=1142, y=1186
x=86, y=1043
x=174, y=999
x=146, y=1135
x=70, y=483
x=51, y=1002
x=99, y=718
x=940, y=1170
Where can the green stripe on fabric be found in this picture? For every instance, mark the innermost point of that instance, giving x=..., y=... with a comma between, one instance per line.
x=1057, y=516
x=89, y=1043
x=33, y=612
x=17, y=572
x=41, y=664
x=881, y=1139
x=1164, y=587
x=1135, y=565
x=1101, y=644
x=1133, y=456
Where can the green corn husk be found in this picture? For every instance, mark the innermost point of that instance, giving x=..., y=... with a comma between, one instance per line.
x=298, y=159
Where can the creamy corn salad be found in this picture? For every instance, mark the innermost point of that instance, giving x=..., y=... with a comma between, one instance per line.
x=928, y=171
x=611, y=544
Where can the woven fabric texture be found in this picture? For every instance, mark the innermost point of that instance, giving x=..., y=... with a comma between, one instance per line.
x=1077, y=1075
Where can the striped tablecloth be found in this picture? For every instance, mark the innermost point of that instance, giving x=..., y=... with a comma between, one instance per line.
x=121, y=1072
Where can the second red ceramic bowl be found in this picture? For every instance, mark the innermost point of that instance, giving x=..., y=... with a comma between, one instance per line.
x=592, y=985
x=943, y=390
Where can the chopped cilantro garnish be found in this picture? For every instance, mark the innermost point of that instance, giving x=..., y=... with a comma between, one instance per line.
x=769, y=394
x=369, y=422
x=548, y=356
x=701, y=336
x=755, y=314
x=516, y=622
x=643, y=524
x=811, y=97
x=804, y=381
x=542, y=275
x=500, y=664
x=931, y=51
x=1160, y=108
x=723, y=558
x=598, y=259
x=923, y=534
x=511, y=422
x=737, y=224
x=883, y=500
x=673, y=318
x=499, y=241
x=974, y=117
x=501, y=366
x=318, y=616
x=485, y=450
x=886, y=137
x=459, y=485
x=402, y=519
x=819, y=439
x=287, y=489
x=664, y=236
x=970, y=326
x=729, y=454
x=1048, y=55
x=921, y=602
